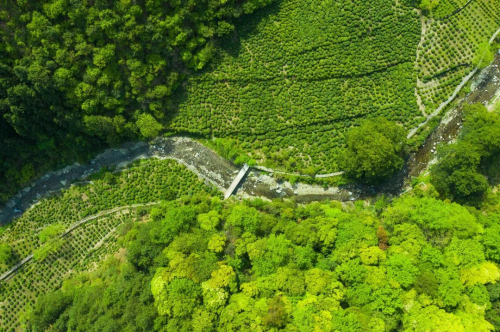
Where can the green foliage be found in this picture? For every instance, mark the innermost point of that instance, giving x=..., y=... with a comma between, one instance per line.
x=460, y=173
x=148, y=126
x=44, y=251
x=87, y=245
x=144, y=182
x=208, y=221
x=429, y=5
x=242, y=219
x=177, y=220
x=228, y=148
x=296, y=78
x=483, y=56
x=375, y=150
x=50, y=232
x=178, y=299
x=48, y=309
x=5, y=253
x=75, y=77
x=491, y=242
x=438, y=220
x=400, y=269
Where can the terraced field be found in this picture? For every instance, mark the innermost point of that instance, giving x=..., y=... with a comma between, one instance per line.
x=82, y=250
x=144, y=182
x=300, y=74
x=448, y=47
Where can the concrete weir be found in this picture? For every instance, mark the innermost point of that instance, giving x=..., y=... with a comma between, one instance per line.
x=236, y=181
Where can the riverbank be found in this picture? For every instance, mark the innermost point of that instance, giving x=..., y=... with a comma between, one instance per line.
x=219, y=172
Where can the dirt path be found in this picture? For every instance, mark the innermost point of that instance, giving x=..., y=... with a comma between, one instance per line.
x=465, y=80
x=13, y=271
x=456, y=11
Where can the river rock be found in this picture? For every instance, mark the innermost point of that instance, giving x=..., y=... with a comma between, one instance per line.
x=63, y=182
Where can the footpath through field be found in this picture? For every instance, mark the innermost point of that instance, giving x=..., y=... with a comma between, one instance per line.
x=26, y=260
x=457, y=90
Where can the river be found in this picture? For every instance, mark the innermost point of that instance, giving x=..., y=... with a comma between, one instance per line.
x=219, y=172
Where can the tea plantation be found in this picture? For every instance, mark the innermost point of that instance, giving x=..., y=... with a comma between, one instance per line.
x=145, y=182
x=448, y=47
x=280, y=83
x=82, y=250
x=300, y=73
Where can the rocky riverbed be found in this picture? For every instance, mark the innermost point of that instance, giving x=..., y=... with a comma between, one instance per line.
x=220, y=172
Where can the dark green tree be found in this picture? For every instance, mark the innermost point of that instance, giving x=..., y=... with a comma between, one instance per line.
x=375, y=150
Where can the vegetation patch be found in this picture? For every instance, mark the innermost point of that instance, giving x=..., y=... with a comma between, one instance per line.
x=147, y=181
x=200, y=264
x=453, y=47
x=300, y=74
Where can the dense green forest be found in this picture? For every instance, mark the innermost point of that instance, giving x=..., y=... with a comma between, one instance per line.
x=467, y=167
x=416, y=264
x=79, y=75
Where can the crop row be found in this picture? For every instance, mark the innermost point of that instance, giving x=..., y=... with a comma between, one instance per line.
x=149, y=181
x=81, y=250
x=449, y=43
x=302, y=69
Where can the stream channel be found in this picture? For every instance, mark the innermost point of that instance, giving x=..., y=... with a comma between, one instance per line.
x=220, y=172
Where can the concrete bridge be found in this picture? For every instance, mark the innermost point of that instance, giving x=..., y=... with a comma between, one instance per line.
x=236, y=181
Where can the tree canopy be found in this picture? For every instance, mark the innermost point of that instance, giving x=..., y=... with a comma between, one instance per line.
x=375, y=150
x=419, y=264
x=464, y=166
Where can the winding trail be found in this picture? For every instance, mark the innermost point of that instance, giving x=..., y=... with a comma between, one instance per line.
x=13, y=270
